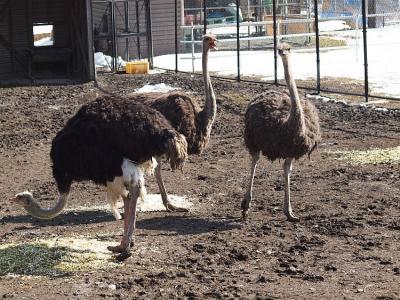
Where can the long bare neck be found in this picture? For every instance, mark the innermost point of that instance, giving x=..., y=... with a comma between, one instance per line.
x=36, y=211
x=210, y=107
x=296, y=115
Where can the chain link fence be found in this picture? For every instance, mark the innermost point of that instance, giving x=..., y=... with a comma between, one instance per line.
x=339, y=46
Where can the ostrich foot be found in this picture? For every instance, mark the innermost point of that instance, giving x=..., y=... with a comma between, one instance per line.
x=118, y=249
x=173, y=208
x=245, y=215
x=245, y=205
x=291, y=217
x=123, y=255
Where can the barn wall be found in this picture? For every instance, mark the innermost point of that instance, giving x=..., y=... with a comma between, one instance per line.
x=16, y=32
x=163, y=27
x=13, y=28
x=163, y=21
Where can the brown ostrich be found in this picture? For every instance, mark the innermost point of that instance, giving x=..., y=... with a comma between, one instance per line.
x=185, y=115
x=109, y=141
x=280, y=126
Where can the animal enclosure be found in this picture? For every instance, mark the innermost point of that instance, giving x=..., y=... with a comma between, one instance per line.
x=316, y=216
x=347, y=197
x=342, y=47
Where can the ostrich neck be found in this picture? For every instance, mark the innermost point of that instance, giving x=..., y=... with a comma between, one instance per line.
x=36, y=211
x=296, y=114
x=210, y=107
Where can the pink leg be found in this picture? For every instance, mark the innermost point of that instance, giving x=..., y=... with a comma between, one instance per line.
x=249, y=193
x=130, y=205
x=287, y=207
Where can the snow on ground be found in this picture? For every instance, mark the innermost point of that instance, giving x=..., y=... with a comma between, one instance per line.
x=103, y=60
x=383, y=60
x=48, y=41
x=156, y=88
x=231, y=30
x=40, y=29
x=333, y=25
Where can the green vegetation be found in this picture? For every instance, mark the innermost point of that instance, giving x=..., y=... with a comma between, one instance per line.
x=374, y=156
x=54, y=257
x=325, y=42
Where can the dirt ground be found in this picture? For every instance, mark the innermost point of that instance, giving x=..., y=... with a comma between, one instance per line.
x=346, y=246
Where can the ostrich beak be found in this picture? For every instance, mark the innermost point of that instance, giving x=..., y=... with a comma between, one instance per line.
x=13, y=200
x=213, y=44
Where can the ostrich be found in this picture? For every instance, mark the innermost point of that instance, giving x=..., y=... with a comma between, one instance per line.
x=185, y=115
x=110, y=141
x=280, y=126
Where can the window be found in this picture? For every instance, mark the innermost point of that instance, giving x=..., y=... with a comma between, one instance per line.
x=43, y=35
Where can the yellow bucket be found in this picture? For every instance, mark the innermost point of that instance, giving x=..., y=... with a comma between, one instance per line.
x=137, y=67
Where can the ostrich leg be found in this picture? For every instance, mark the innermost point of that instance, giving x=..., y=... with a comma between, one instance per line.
x=130, y=205
x=249, y=193
x=163, y=191
x=287, y=207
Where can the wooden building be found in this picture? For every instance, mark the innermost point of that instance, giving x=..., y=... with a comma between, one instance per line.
x=45, y=40
x=143, y=28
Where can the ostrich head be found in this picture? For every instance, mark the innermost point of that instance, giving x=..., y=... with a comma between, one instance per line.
x=284, y=49
x=210, y=41
x=25, y=199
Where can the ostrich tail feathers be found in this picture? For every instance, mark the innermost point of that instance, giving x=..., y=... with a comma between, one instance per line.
x=177, y=151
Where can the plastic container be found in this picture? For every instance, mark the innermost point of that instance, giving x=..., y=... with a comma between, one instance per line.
x=137, y=67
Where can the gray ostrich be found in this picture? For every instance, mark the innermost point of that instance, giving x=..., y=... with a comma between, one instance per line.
x=185, y=115
x=110, y=141
x=280, y=126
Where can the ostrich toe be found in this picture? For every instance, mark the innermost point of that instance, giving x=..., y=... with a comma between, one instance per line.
x=245, y=214
x=173, y=208
x=123, y=255
x=291, y=217
x=118, y=249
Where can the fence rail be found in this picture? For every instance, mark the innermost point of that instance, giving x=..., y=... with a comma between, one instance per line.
x=248, y=33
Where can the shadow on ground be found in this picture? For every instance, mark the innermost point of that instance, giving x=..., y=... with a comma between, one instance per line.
x=180, y=225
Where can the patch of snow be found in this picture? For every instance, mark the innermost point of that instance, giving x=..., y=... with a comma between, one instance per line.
x=153, y=202
x=339, y=62
x=156, y=88
x=40, y=29
x=48, y=41
x=102, y=60
x=333, y=25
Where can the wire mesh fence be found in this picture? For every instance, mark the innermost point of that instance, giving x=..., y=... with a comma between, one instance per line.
x=339, y=46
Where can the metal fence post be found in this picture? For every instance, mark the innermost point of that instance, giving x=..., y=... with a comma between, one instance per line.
x=113, y=37
x=205, y=15
x=192, y=39
x=316, y=20
x=275, y=42
x=176, y=36
x=238, y=39
x=364, y=19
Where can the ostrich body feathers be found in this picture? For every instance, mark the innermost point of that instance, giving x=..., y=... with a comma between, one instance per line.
x=267, y=129
x=102, y=133
x=184, y=114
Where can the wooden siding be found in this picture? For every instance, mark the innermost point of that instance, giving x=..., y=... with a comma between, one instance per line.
x=163, y=27
x=163, y=23
x=16, y=29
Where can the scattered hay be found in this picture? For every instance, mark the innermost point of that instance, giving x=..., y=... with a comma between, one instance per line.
x=373, y=156
x=55, y=257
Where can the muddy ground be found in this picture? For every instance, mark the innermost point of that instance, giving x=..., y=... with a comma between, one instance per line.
x=346, y=246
